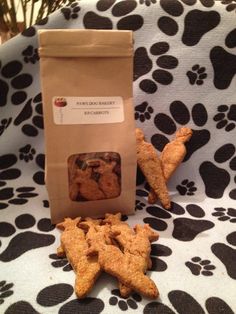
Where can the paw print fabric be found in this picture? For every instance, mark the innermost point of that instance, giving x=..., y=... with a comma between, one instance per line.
x=184, y=74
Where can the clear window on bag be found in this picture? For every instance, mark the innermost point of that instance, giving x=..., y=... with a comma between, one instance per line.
x=94, y=176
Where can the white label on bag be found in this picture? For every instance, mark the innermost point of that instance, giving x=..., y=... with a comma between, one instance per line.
x=87, y=110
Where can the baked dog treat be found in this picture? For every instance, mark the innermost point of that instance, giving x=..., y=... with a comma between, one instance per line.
x=150, y=165
x=116, y=263
x=121, y=226
x=136, y=245
x=93, y=245
x=74, y=246
x=72, y=249
x=109, y=220
x=108, y=181
x=127, y=232
x=90, y=225
x=171, y=156
x=89, y=188
x=94, y=176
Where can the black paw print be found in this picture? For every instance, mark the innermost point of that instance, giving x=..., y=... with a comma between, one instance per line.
x=224, y=114
x=5, y=290
x=36, y=123
x=60, y=262
x=26, y=153
x=158, y=250
x=30, y=54
x=16, y=196
x=46, y=203
x=71, y=12
x=143, y=112
x=182, y=114
x=4, y=124
x=13, y=79
x=217, y=179
x=139, y=205
x=179, y=299
x=143, y=64
x=230, y=5
x=143, y=192
x=193, y=29
x=124, y=303
x=197, y=75
x=182, y=228
x=124, y=217
x=22, y=242
x=119, y=14
x=58, y=294
x=199, y=266
x=186, y=187
x=225, y=214
x=226, y=253
x=6, y=170
x=31, y=31
x=38, y=177
x=147, y=2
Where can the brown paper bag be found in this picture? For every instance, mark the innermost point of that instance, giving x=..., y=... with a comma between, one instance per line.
x=86, y=78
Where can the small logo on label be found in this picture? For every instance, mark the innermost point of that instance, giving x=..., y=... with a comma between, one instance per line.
x=60, y=102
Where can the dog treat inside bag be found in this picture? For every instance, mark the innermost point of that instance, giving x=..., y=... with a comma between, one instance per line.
x=86, y=78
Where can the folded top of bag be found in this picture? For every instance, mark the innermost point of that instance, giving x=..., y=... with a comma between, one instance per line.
x=87, y=43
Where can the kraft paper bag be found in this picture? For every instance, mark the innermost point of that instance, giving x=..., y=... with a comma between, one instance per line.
x=86, y=78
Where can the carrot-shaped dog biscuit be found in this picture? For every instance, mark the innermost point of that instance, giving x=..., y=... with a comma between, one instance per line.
x=172, y=155
x=72, y=240
x=114, y=262
x=108, y=181
x=127, y=232
x=74, y=245
x=90, y=224
x=150, y=165
x=89, y=188
x=115, y=220
x=136, y=245
x=128, y=240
